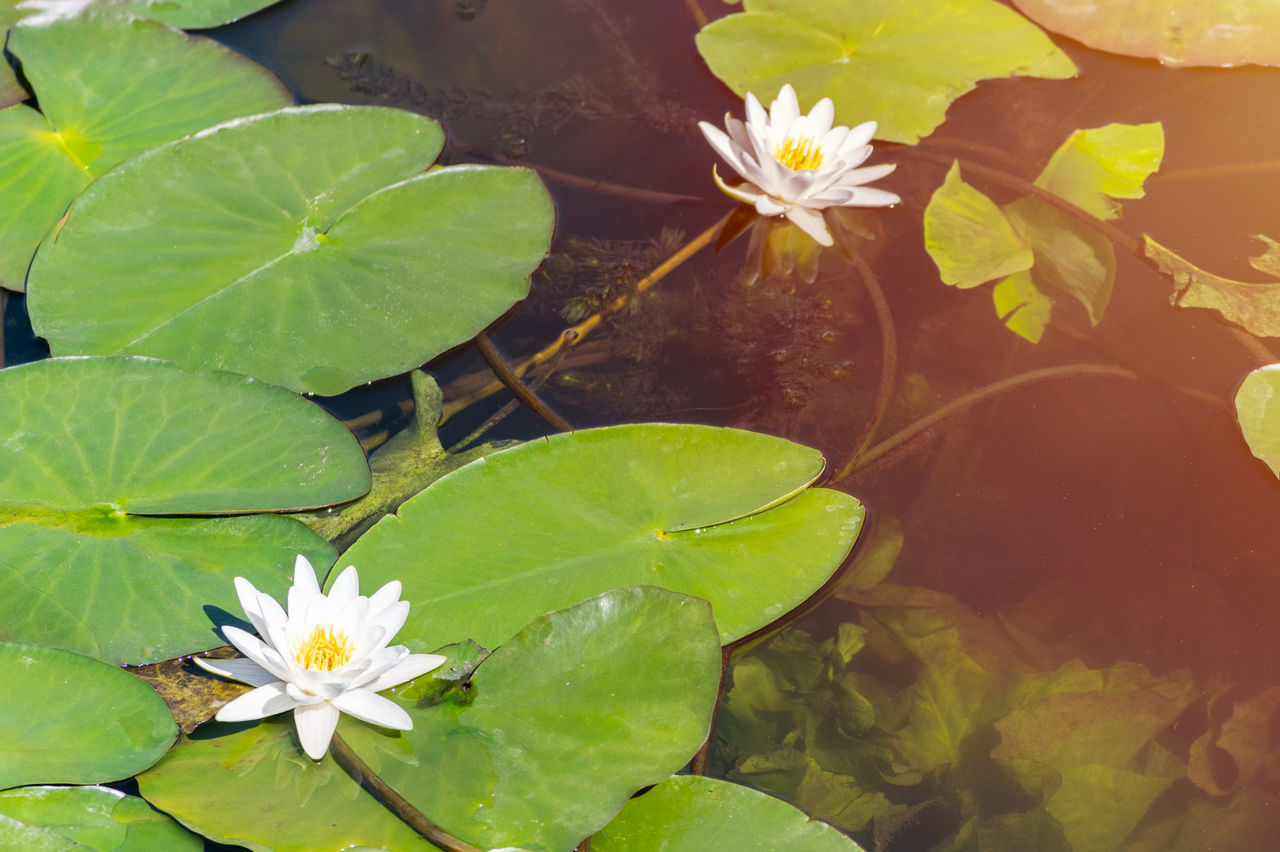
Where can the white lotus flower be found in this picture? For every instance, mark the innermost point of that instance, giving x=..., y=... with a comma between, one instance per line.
x=327, y=655
x=798, y=165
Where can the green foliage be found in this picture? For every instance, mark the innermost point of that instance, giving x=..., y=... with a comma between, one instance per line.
x=898, y=62
x=925, y=718
x=541, y=746
x=1177, y=32
x=184, y=84
x=722, y=514
x=688, y=813
x=95, y=448
x=92, y=819
x=196, y=14
x=1036, y=249
x=78, y=720
x=1254, y=306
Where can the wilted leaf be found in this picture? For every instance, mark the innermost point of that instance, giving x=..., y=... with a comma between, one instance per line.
x=1253, y=306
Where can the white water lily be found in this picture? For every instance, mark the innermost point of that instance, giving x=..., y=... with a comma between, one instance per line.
x=327, y=655
x=798, y=165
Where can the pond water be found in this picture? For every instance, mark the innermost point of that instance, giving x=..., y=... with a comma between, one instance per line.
x=1098, y=518
x=1089, y=517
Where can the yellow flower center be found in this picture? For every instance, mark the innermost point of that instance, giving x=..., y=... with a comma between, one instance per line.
x=801, y=153
x=325, y=649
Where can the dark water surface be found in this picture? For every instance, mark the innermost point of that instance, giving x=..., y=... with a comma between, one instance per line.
x=1111, y=519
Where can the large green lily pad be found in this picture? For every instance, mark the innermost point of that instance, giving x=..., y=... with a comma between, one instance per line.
x=1177, y=32
x=91, y=449
x=898, y=62
x=197, y=14
x=1258, y=412
x=305, y=247
x=69, y=719
x=691, y=508
x=688, y=813
x=553, y=733
x=109, y=86
x=87, y=819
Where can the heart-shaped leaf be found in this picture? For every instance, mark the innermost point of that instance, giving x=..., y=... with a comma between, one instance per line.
x=109, y=86
x=91, y=449
x=551, y=522
x=87, y=819
x=304, y=247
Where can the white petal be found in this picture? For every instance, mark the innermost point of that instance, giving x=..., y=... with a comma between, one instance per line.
x=784, y=109
x=304, y=588
x=258, y=651
x=860, y=135
x=346, y=588
x=723, y=145
x=812, y=223
x=374, y=709
x=821, y=116
x=756, y=116
x=767, y=206
x=415, y=665
x=257, y=703
x=869, y=196
x=249, y=603
x=746, y=193
x=389, y=620
x=316, y=724
x=245, y=671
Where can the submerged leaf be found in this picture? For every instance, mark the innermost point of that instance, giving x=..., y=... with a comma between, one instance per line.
x=1258, y=413
x=1097, y=165
x=898, y=62
x=1253, y=306
x=968, y=236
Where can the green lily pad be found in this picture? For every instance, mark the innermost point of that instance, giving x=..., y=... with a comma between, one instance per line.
x=898, y=63
x=688, y=813
x=197, y=14
x=1258, y=412
x=254, y=787
x=1251, y=305
x=150, y=84
x=691, y=508
x=304, y=247
x=92, y=819
x=92, y=448
x=552, y=734
x=74, y=720
x=1177, y=32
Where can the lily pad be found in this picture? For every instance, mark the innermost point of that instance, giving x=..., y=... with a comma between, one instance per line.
x=691, y=508
x=197, y=14
x=898, y=62
x=92, y=448
x=1177, y=32
x=688, y=813
x=87, y=819
x=1258, y=412
x=1251, y=305
x=304, y=247
x=74, y=720
x=149, y=84
x=549, y=738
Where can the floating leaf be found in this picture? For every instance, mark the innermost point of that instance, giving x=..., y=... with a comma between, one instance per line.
x=968, y=236
x=553, y=733
x=692, y=814
x=1177, y=32
x=253, y=786
x=1253, y=306
x=695, y=509
x=93, y=819
x=1040, y=249
x=74, y=720
x=91, y=447
x=898, y=63
x=109, y=86
x=1258, y=412
x=304, y=247
x=197, y=14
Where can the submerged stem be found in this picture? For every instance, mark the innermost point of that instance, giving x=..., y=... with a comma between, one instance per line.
x=391, y=800
x=575, y=334
x=516, y=385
